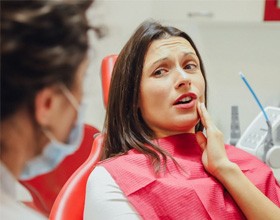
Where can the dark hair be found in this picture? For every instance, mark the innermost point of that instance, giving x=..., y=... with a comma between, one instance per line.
x=42, y=44
x=125, y=128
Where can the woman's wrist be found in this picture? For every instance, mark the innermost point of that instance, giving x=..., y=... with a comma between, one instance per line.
x=243, y=192
x=227, y=171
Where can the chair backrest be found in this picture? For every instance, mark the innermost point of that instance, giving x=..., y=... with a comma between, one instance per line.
x=45, y=188
x=107, y=66
x=69, y=204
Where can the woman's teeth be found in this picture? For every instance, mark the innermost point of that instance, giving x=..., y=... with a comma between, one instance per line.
x=185, y=100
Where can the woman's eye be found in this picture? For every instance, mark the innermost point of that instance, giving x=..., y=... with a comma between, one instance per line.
x=191, y=66
x=159, y=72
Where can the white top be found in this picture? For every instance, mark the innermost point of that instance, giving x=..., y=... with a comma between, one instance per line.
x=105, y=199
x=10, y=208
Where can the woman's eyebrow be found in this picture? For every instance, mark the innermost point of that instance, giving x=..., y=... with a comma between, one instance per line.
x=192, y=55
x=157, y=61
x=185, y=54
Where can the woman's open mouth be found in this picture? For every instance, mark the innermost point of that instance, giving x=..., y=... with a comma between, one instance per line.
x=186, y=101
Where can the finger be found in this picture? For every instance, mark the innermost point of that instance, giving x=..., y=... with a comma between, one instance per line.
x=200, y=113
x=201, y=140
x=206, y=118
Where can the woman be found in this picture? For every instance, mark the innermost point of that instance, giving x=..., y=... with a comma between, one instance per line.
x=43, y=61
x=158, y=163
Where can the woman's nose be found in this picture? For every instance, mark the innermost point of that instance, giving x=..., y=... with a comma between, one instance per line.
x=183, y=78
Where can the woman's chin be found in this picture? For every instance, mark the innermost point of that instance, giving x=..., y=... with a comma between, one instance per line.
x=189, y=128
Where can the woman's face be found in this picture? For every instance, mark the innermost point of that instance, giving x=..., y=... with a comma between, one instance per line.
x=171, y=86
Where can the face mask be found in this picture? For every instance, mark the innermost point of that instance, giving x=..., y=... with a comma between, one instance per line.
x=55, y=151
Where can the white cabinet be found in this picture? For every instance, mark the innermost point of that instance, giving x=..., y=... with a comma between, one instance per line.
x=208, y=10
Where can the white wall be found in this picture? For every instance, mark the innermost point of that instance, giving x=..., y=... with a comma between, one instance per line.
x=226, y=47
x=121, y=19
x=251, y=48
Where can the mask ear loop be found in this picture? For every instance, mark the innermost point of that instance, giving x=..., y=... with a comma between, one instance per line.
x=48, y=134
x=73, y=102
x=70, y=96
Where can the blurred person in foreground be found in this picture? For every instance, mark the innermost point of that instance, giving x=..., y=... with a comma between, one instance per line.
x=44, y=48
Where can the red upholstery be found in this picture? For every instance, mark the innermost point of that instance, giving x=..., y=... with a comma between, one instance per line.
x=106, y=71
x=45, y=188
x=69, y=204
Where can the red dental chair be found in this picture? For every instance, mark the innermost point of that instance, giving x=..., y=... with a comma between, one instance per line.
x=107, y=66
x=69, y=204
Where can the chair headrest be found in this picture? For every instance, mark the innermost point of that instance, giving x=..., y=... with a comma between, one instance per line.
x=107, y=66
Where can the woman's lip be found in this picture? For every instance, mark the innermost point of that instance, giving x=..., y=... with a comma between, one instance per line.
x=190, y=94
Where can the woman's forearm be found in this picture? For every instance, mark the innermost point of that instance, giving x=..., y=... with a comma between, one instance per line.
x=253, y=203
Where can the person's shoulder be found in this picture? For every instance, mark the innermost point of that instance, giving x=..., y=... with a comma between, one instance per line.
x=99, y=181
x=99, y=175
x=132, y=157
x=244, y=159
x=238, y=153
x=127, y=169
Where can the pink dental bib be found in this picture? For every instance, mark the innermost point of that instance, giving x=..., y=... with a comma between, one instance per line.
x=188, y=192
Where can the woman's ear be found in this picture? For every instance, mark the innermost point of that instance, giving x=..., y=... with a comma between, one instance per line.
x=44, y=105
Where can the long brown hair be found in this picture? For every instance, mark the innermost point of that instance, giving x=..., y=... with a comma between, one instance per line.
x=125, y=128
